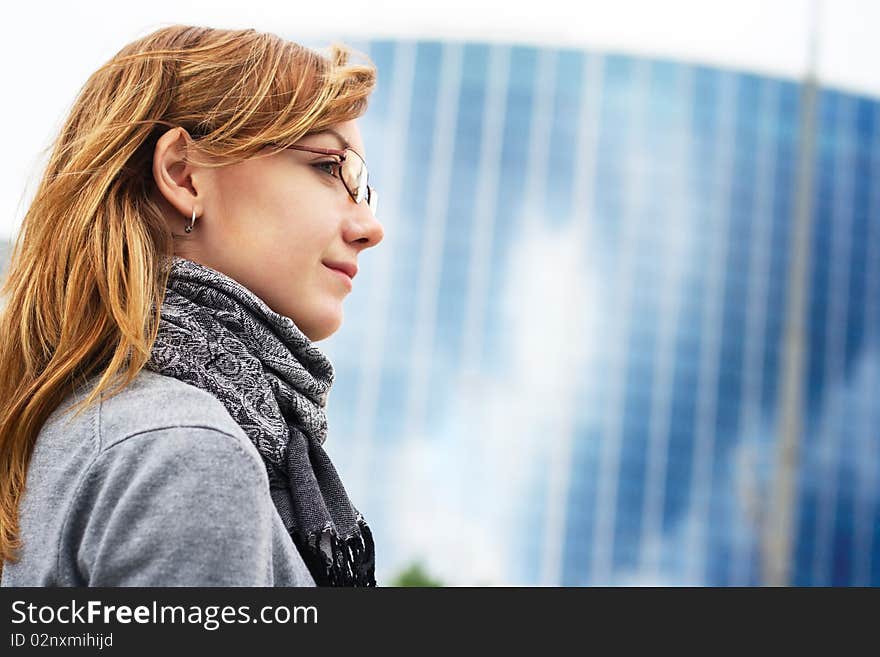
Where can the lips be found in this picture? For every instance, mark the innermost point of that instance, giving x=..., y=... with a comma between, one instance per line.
x=349, y=269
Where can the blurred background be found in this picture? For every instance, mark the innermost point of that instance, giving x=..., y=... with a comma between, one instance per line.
x=624, y=327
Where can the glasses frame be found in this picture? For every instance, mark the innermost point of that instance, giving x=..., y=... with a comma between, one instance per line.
x=369, y=193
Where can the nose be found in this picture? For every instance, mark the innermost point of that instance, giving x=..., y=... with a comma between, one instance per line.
x=365, y=227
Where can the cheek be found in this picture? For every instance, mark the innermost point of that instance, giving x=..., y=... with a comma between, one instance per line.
x=291, y=240
x=277, y=228
x=258, y=201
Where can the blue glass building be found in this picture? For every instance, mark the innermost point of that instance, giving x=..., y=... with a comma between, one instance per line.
x=564, y=364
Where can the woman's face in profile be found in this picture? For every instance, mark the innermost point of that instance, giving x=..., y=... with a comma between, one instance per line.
x=275, y=223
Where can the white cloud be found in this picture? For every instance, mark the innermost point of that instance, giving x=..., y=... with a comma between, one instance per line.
x=471, y=477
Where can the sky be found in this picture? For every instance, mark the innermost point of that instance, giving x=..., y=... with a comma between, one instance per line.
x=51, y=48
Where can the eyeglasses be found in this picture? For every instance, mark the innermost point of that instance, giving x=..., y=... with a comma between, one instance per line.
x=352, y=172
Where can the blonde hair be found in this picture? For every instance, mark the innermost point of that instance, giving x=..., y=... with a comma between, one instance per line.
x=89, y=266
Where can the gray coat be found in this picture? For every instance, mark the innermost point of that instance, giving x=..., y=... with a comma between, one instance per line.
x=157, y=486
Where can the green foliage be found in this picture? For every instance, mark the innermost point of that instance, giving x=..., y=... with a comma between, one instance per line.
x=415, y=575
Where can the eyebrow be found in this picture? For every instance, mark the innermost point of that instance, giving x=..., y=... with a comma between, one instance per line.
x=342, y=140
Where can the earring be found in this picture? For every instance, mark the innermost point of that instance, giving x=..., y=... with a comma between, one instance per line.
x=192, y=221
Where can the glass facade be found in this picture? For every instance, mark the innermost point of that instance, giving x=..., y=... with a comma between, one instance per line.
x=563, y=365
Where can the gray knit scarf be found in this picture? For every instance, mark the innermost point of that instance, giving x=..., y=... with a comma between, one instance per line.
x=217, y=335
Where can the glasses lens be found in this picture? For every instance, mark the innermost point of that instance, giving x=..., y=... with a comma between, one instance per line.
x=372, y=199
x=354, y=174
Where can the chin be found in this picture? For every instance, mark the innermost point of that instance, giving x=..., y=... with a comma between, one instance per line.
x=324, y=329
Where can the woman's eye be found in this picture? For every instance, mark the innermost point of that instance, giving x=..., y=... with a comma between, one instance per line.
x=329, y=166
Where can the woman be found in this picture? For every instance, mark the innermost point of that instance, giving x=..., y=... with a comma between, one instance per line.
x=217, y=176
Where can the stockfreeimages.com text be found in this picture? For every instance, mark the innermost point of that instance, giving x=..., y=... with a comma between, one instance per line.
x=210, y=617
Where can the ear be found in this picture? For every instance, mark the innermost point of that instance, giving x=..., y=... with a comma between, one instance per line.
x=177, y=180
